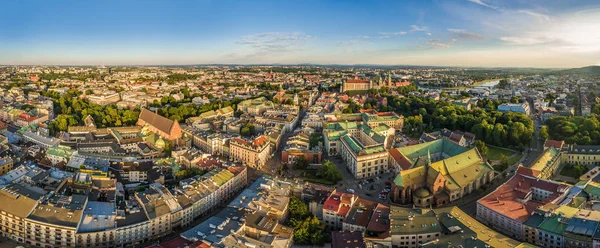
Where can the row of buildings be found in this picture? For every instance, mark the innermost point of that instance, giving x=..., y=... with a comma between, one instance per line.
x=81, y=210
x=363, y=223
x=532, y=207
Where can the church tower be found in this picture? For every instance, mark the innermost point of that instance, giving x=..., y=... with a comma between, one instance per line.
x=390, y=80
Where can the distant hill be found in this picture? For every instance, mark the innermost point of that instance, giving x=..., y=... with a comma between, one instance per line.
x=593, y=70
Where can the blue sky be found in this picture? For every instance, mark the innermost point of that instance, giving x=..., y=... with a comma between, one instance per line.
x=534, y=33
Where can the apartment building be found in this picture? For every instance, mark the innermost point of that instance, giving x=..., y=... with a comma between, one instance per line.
x=511, y=204
x=254, y=153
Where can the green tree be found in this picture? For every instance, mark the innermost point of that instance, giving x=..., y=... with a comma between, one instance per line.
x=300, y=163
x=544, y=133
x=481, y=147
x=330, y=172
x=298, y=209
x=248, y=130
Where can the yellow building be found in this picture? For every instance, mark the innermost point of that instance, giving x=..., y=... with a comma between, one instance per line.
x=6, y=165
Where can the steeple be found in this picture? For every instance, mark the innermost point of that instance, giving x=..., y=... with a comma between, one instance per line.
x=390, y=79
x=428, y=158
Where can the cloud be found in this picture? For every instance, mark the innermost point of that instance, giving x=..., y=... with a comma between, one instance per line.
x=275, y=42
x=465, y=35
x=480, y=2
x=392, y=33
x=526, y=41
x=360, y=37
x=567, y=33
x=541, y=17
x=437, y=44
x=415, y=28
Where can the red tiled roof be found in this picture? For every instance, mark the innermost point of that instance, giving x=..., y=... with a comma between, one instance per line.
x=379, y=222
x=400, y=159
x=558, y=144
x=528, y=171
x=504, y=200
x=159, y=122
x=333, y=202
x=455, y=137
x=344, y=210
x=346, y=198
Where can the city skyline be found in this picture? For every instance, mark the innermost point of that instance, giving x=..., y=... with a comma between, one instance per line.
x=475, y=33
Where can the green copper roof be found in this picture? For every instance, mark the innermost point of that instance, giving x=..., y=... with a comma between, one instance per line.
x=592, y=189
x=60, y=152
x=436, y=146
x=353, y=143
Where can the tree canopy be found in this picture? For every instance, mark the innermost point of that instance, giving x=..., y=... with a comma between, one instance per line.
x=330, y=172
x=575, y=130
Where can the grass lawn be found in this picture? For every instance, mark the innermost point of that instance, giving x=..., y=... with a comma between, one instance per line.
x=309, y=175
x=515, y=159
x=574, y=171
x=495, y=153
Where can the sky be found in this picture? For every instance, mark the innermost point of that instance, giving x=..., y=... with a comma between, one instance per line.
x=474, y=33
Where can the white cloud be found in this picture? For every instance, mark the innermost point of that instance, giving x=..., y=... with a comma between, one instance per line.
x=360, y=37
x=539, y=16
x=436, y=44
x=415, y=28
x=567, y=33
x=465, y=35
x=526, y=41
x=392, y=33
x=480, y=2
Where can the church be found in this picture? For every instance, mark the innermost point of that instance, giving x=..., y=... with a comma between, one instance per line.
x=164, y=127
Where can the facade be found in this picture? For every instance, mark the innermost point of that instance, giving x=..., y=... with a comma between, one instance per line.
x=547, y=164
x=104, y=100
x=362, y=148
x=336, y=208
x=579, y=154
x=254, y=153
x=437, y=172
x=6, y=165
x=509, y=206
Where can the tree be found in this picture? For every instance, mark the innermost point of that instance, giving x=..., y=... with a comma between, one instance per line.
x=503, y=84
x=544, y=132
x=300, y=163
x=298, y=209
x=481, y=147
x=330, y=172
x=168, y=148
x=248, y=130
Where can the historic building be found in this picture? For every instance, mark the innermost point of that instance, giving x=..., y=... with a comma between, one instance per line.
x=437, y=172
x=165, y=128
x=363, y=148
x=254, y=153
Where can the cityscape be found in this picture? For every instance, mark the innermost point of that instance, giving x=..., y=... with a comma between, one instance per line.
x=465, y=123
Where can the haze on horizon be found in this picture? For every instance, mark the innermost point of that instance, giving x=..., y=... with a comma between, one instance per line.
x=480, y=33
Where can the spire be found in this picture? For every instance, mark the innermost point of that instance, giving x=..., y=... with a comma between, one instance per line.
x=428, y=158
